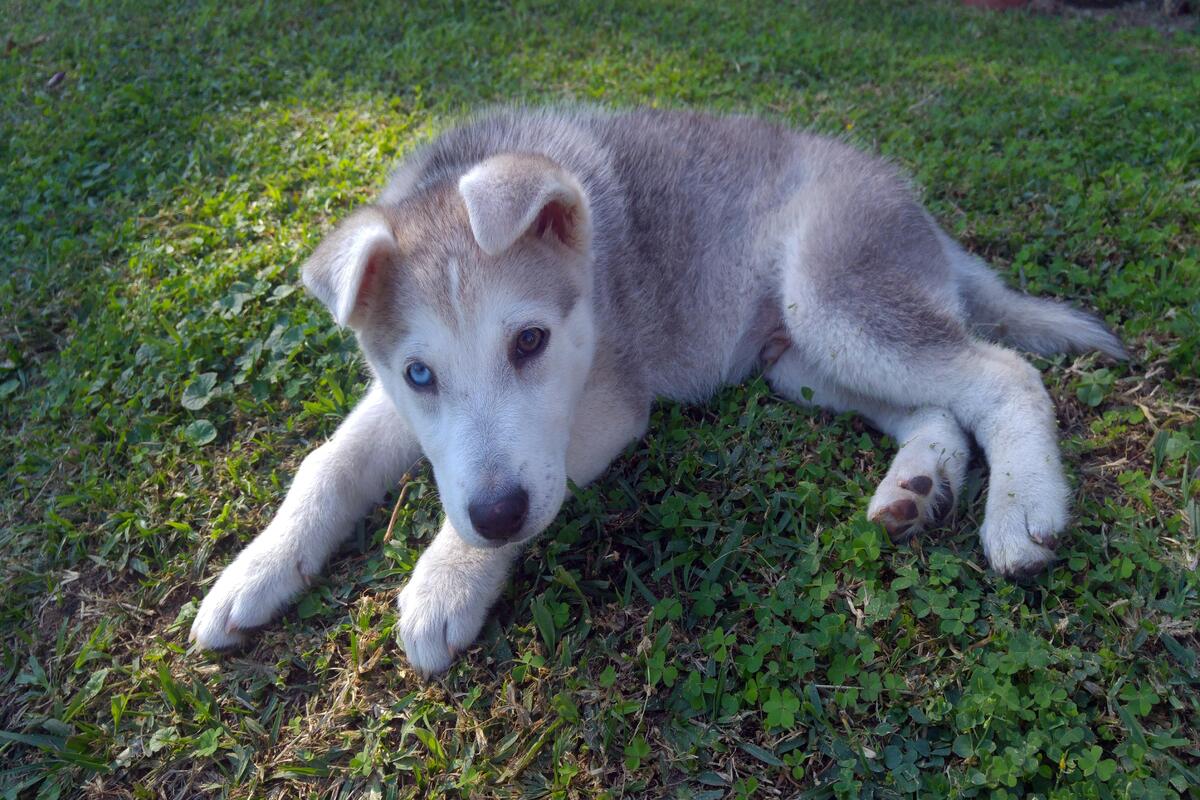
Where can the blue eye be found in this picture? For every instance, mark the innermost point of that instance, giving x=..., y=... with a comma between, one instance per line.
x=419, y=375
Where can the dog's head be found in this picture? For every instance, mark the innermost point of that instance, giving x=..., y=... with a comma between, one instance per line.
x=472, y=303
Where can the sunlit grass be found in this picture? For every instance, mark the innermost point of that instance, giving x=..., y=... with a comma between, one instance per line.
x=713, y=618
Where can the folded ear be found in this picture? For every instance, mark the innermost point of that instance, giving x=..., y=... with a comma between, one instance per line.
x=344, y=271
x=509, y=196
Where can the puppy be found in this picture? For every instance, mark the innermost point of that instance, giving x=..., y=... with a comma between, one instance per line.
x=529, y=282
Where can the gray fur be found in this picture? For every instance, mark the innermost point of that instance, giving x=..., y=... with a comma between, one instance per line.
x=690, y=210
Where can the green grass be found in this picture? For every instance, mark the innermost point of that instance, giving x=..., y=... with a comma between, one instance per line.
x=714, y=618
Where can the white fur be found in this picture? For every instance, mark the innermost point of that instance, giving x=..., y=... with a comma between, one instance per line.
x=931, y=443
x=479, y=432
x=1001, y=400
x=455, y=584
x=447, y=599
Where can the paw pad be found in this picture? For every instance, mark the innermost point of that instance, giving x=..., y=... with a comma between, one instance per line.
x=913, y=505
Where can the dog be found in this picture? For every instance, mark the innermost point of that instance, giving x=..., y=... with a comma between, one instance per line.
x=529, y=282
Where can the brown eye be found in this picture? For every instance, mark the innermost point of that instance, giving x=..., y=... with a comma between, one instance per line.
x=529, y=342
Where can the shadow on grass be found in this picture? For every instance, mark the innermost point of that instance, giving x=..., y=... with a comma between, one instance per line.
x=162, y=198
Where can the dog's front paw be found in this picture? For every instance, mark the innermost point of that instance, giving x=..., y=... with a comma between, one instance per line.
x=250, y=592
x=441, y=613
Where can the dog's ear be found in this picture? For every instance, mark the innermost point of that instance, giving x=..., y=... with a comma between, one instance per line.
x=344, y=272
x=510, y=196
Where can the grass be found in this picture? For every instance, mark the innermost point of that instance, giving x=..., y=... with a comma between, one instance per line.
x=714, y=618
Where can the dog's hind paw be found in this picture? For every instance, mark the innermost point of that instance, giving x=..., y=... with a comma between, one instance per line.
x=907, y=506
x=1019, y=539
x=1019, y=560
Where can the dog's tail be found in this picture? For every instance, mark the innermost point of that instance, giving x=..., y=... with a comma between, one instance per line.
x=1034, y=324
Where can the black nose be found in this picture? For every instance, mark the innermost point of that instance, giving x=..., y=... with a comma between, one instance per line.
x=499, y=517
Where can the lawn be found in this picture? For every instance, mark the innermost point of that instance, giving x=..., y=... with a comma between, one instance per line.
x=715, y=617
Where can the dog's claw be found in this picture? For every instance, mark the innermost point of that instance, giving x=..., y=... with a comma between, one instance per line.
x=943, y=502
x=1019, y=535
x=441, y=614
x=1047, y=539
x=249, y=592
x=1024, y=571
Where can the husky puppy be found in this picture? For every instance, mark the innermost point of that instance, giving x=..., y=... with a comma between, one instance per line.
x=529, y=282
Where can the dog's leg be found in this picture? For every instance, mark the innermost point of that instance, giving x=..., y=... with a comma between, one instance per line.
x=333, y=488
x=923, y=358
x=870, y=297
x=921, y=488
x=1000, y=398
x=453, y=586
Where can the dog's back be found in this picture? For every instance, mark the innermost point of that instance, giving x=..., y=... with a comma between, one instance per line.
x=695, y=212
